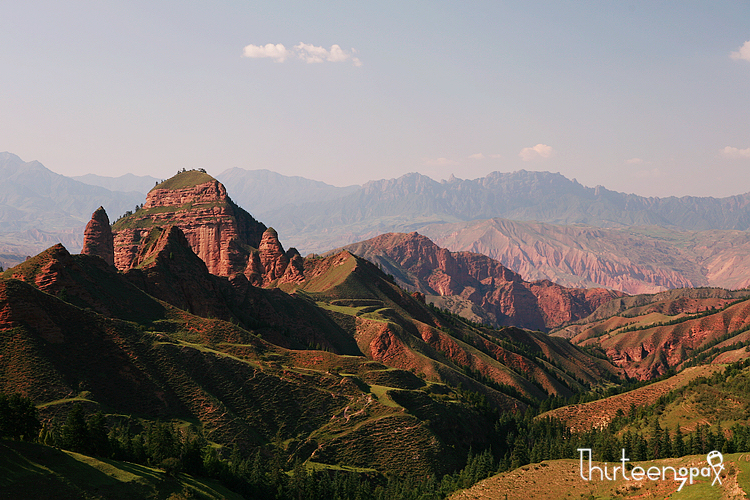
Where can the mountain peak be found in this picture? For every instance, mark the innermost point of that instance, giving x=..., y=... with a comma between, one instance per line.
x=192, y=186
x=218, y=231
x=185, y=179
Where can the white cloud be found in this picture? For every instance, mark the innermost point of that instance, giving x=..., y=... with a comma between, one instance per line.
x=743, y=53
x=313, y=54
x=477, y=156
x=277, y=52
x=540, y=150
x=730, y=152
x=307, y=52
x=635, y=161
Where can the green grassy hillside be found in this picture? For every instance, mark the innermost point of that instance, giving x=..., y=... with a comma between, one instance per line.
x=33, y=471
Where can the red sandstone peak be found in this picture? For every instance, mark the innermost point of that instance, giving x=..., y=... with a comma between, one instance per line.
x=217, y=230
x=97, y=237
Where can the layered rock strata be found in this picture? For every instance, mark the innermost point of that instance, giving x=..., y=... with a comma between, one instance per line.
x=419, y=264
x=224, y=236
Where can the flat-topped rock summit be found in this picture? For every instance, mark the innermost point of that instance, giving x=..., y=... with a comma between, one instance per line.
x=227, y=238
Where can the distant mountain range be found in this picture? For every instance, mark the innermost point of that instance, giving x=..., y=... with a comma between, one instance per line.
x=262, y=191
x=413, y=201
x=139, y=183
x=39, y=208
x=539, y=224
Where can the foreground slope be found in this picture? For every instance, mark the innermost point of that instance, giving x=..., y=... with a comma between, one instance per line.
x=396, y=378
x=560, y=479
x=30, y=470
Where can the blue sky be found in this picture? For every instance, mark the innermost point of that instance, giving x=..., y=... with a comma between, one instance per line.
x=644, y=97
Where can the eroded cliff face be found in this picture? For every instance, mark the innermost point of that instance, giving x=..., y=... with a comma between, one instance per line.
x=224, y=236
x=97, y=237
x=419, y=264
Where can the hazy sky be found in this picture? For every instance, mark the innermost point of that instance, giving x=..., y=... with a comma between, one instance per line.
x=648, y=97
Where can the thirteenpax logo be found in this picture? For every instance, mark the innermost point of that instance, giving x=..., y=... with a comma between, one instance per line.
x=714, y=459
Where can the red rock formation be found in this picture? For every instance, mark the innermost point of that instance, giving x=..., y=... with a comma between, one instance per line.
x=218, y=231
x=273, y=260
x=168, y=269
x=97, y=237
x=419, y=264
x=228, y=239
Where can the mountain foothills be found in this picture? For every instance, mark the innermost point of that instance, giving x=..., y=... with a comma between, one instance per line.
x=630, y=259
x=185, y=345
x=321, y=360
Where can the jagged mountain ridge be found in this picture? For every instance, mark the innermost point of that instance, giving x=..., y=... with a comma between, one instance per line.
x=261, y=191
x=414, y=200
x=500, y=295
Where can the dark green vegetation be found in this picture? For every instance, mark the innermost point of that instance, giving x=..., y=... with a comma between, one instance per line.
x=709, y=413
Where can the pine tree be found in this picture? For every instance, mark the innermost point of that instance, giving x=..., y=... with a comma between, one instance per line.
x=518, y=456
x=666, y=444
x=97, y=432
x=656, y=440
x=18, y=418
x=678, y=445
x=74, y=431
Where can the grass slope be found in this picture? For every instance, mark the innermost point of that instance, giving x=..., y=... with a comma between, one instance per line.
x=599, y=413
x=184, y=180
x=560, y=479
x=32, y=471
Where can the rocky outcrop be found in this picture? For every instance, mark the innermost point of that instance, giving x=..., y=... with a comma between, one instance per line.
x=97, y=237
x=226, y=238
x=168, y=269
x=420, y=265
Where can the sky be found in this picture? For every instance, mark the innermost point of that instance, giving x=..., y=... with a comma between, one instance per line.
x=651, y=98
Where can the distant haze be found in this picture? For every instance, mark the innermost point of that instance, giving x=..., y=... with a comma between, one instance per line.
x=642, y=97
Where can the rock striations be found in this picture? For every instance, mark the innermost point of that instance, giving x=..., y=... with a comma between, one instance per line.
x=227, y=238
x=98, y=239
x=473, y=279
